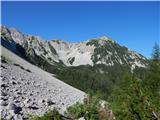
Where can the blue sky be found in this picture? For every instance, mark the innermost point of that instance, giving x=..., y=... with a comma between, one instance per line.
x=132, y=24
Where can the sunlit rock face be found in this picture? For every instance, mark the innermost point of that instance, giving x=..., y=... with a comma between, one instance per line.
x=102, y=50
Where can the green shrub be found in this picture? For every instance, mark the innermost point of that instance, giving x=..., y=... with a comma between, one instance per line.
x=51, y=115
x=88, y=109
x=131, y=100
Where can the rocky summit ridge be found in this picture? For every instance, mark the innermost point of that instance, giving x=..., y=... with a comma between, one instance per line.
x=101, y=50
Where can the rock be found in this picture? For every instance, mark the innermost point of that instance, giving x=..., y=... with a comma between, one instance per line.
x=18, y=117
x=13, y=108
x=3, y=103
x=27, y=102
x=37, y=85
x=33, y=107
x=3, y=78
x=18, y=82
x=3, y=85
x=28, y=105
x=12, y=98
x=8, y=89
x=62, y=103
x=4, y=98
x=11, y=112
x=13, y=83
x=82, y=118
x=19, y=93
x=41, y=101
x=15, y=89
x=49, y=102
x=12, y=78
x=17, y=101
x=103, y=103
x=30, y=93
x=9, y=117
x=17, y=110
x=3, y=93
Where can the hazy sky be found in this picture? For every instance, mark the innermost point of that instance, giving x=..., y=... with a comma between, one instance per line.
x=135, y=25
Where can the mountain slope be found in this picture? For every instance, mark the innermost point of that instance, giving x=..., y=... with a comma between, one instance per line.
x=95, y=65
x=32, y=90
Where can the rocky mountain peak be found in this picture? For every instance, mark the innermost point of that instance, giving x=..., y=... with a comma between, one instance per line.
x=103, y=38
x=100, y=50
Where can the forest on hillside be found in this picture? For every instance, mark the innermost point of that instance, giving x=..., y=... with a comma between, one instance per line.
x=134, y=97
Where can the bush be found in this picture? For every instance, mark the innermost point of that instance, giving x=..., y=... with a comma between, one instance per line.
x=132, y=101
x=88, y=109
x=91, y=109
x=51, y=115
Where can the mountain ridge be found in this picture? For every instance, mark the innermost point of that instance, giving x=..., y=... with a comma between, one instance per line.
x=71, y=54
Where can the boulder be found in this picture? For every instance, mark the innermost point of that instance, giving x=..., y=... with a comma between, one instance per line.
x=82, y=118
x=9, y=117
x=41, y=101
x=18, y=117
x=50, y=102
x=3, y=93
x=3, y=103
x=13, y=108
x=13, y=83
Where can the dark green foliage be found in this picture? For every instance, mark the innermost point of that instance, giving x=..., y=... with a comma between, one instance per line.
x=140, y=72
x=58, y=41
x=44, y=50
x=152, y=80
x=156, y=52
x=131, y=101
x=101, y=51
x=51, y=115
x=21, y=50
x=42, y=63
x=88, y=110
x=93, y=42
x=71, y=60
x=88, y=78
x=33, y=38
x=3, y=59
x=138, y=98
x=5, y=37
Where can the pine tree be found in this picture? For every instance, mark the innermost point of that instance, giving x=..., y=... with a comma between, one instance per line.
x=151, y=83
x=156, y=52
x=152, y=80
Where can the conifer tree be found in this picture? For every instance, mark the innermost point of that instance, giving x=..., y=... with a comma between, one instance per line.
x=152, y=80
x=156, y=52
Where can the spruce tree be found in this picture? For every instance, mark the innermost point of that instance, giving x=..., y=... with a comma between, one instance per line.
x=156, y=52
x=152, y=80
